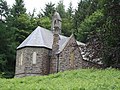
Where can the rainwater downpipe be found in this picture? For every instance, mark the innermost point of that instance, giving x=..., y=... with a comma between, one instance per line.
x=57, y=63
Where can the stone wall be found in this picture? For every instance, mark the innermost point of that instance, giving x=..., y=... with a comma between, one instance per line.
x=70, y=58
x=19, y=68
x=28, y=68
x=55, y=47
x=88, y=64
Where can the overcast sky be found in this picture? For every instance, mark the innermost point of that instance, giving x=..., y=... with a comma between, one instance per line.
x=40, y=4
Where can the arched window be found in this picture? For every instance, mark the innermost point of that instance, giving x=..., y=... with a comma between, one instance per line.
x=34, y=58
x=55, y=22
x=72, y=59
x=21, y=59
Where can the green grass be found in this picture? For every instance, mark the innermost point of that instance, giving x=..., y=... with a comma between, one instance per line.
x=83, y=79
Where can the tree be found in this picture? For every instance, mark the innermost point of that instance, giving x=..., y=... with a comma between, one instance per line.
x=61, y=9
x=7, y=50
x=3, y=41
x=23, y=28
x=45, y=22
x=20, y=21
x=89, y=33
x=4, y=10
x=85, y=9
x=90, y=23
x=70, y=10
x=67, y=22
x=7, y=55
x=49, y=10
x=111, y=33
x=18, y=8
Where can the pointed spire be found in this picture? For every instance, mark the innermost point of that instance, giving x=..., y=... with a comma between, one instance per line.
x=56, y=22
x=57, y=16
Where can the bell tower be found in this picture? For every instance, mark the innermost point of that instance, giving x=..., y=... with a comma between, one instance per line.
x=56, y=23
x=56, y=29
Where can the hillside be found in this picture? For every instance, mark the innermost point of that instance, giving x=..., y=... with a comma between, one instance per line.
x=84, y=79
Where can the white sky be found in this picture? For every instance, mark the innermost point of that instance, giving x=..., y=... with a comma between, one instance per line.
x=40, y=4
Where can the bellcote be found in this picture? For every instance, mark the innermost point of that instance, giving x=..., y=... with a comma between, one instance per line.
x=56, y=23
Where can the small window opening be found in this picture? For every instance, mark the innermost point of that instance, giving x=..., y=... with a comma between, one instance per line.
x=72, y=59
x=34, y=57
x=21, y=59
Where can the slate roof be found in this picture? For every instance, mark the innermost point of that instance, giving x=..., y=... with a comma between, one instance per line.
x=42, y=37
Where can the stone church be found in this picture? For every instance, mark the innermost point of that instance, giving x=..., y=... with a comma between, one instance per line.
x=45, y=51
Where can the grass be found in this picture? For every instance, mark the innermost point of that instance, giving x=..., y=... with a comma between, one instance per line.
x=83, y=79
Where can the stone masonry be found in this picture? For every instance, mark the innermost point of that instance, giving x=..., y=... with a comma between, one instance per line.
x=27, y=68
x=70, y=58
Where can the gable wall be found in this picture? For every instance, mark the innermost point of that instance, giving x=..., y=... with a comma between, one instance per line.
x=70, y=57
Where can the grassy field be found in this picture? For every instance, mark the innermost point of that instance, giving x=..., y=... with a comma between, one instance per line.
x=83, y=79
